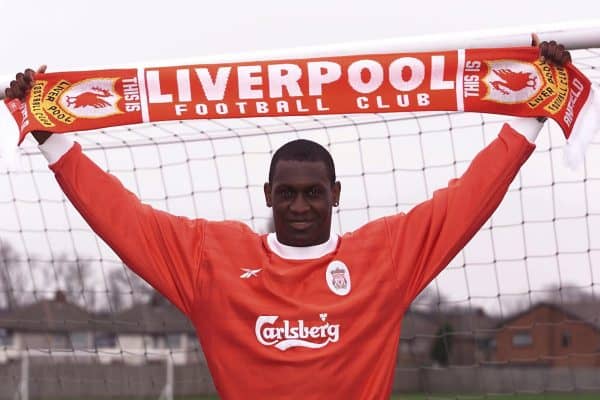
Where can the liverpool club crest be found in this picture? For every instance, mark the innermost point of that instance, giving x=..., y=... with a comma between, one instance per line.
x=512, y=81
x=338, y=278
x=91, y=98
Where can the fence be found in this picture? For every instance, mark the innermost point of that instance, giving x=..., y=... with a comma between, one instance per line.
x=90, y=380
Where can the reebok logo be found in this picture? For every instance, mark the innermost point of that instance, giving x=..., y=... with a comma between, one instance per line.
x=287, y=334
x=249, y=273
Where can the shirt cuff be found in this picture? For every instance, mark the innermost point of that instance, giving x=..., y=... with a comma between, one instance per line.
x=4, y=84
x=55, y=147
x=528, y=127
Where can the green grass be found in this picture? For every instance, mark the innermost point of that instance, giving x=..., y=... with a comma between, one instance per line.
x=567, y=396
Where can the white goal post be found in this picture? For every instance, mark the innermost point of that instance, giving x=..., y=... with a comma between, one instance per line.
x=22, y=392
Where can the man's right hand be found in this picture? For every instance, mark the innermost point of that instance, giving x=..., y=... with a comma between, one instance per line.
x=22, y=84
x=20, y=87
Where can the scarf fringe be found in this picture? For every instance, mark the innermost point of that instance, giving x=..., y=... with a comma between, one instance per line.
x=586, y=127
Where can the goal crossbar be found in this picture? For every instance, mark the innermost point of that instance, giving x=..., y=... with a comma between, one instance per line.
x=573, y=35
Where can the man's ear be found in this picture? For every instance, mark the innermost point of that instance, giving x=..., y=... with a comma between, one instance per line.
x=267, y=190
x=336, y=190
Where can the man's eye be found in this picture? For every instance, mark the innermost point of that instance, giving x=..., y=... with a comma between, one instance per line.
x=286, y=194
x=314, y=192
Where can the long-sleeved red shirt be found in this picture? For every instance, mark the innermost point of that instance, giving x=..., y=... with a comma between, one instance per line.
x=274, y=326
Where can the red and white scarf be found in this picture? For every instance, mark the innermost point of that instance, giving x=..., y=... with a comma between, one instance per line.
x=510, y=81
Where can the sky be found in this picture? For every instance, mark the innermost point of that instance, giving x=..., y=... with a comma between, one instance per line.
x=87, y=35
x=78, y=34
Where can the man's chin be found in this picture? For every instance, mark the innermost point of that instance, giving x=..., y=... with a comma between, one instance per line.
x=301, y=238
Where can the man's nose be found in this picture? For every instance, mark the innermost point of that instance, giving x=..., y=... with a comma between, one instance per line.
x=299, y=204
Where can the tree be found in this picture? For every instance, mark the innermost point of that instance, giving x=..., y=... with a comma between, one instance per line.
x=556, y=293
x=74, y=278
x=442, y=345
x=12, y=279
x=430, y=299
x=126, y=288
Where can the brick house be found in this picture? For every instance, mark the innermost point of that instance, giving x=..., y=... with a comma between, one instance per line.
x=550, y=335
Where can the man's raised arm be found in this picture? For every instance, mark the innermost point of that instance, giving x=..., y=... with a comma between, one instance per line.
x=162, y=248
x=426, y=239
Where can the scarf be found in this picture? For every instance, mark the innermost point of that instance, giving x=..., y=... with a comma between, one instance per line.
x=511, y=81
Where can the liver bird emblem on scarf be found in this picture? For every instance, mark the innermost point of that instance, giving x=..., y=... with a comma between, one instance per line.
x=513, y=81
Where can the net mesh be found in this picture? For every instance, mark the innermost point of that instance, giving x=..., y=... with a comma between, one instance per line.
x=532, y=271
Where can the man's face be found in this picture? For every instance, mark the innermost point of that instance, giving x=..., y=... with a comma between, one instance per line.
x=302, y=196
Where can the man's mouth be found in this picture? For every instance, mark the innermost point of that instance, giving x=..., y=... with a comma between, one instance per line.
x=301, y=225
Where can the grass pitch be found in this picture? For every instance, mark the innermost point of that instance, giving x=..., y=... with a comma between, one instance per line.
x=543, y=396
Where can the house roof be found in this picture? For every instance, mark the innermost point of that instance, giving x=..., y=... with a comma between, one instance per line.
x=587, y=312
x=464, y=321
x=470, y=320
x=58, y=315
x=152, y=318
x=48, y=316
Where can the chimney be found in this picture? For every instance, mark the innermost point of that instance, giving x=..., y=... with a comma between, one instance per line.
x=60, y=296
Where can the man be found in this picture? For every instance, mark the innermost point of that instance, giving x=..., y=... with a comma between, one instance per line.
x=298, y=314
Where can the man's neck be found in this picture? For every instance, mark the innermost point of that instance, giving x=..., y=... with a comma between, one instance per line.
x=301, y=253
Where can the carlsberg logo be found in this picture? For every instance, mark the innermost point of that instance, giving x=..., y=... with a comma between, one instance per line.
x=288, y=334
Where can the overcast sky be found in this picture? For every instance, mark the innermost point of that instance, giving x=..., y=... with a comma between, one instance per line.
x=86, y=35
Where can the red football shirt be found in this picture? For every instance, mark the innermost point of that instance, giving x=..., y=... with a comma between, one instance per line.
x=294, y=323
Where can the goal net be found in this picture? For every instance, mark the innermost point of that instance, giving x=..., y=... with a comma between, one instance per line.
x=517, y=311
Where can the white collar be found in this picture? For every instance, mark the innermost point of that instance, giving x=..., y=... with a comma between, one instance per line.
x=301, y=253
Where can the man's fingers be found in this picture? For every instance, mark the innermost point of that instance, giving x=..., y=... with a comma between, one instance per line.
x=19, y=78
x=547, y=49
x=543, y=51
x=566, y=58
x=22, y=83
x=557, y=54
x=554, y=53
x=17, y=92
x=14, y=89
x=29, y=75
